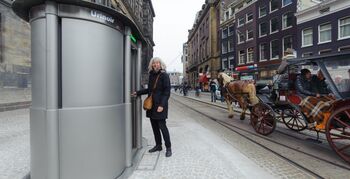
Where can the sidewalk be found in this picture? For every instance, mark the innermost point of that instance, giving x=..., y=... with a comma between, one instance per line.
x=199, y=151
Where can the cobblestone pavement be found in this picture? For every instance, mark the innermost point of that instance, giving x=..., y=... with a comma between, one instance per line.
x=14, y=144
x=268, y=160
x=198, y=152
x=10, y=95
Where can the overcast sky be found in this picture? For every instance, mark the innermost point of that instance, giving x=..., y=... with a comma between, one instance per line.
x=173, y=20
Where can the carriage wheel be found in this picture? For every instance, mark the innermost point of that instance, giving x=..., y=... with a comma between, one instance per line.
x=338, y=132
x=262, y=118
x=294, y=119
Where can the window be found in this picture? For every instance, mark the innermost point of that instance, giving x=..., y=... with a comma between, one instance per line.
x=325, y=33
x=232, y=11
x=262, y=29
x=241, y=21
x=249, y=35
x=286, y=2
x=274, y=25
x=226, y=17
x=263, y=74
x=274, y=5
x=274, y=49
x=231, y=61
x=241, y=57
x=240, y=38
x=307, y=54
x=224, y=63
x=287, y=20
x=248, y=1
x=231, y=45
x=224, y=33
x=250, y=55
x=224, y=47
x=287, y=43
x=307, y=37
x=249, y=17
x=344, y=28
x=230, y=30
x=322, y=52
x=263, y=52
x=262, y=11
x=344, y=48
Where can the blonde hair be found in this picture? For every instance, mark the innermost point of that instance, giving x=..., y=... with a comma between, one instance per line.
x=156, y=59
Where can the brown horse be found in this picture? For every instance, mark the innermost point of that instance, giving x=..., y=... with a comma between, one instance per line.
x=243, y=92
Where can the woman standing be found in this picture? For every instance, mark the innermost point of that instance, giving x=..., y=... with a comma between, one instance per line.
x=159, y=80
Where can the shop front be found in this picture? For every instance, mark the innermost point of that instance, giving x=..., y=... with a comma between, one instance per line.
x=248, y=72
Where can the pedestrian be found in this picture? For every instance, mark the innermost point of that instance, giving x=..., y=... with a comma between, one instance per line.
x=198, y=91
x=184, y=89
x=160, y=82
x=213, y=91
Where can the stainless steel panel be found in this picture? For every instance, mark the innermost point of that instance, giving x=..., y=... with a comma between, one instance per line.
x=38, y=144
x=72, y=11
x=38, y=43
x=92, y=64
x=127, y=98
x=92, y=142
x=37, y=12
x=52, y=51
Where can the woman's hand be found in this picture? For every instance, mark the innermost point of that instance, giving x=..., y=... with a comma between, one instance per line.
x=160, y=109
x=134, y=94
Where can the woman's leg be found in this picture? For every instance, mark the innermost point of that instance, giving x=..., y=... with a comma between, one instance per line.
x=165, y=132
x=156, y=132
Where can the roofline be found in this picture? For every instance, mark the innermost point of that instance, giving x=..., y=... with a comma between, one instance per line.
x=317, y=58
x=206, y=10
x=151, y=4
x=22, y=8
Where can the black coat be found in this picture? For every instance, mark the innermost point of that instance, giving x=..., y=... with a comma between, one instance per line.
x=319, y=86
x=160, y=95
x=303, y=87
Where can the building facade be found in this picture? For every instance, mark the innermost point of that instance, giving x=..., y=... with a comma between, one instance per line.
x=263, y=30
x=14, y=49
x=142, y=12
x=184, y=60
x=276, y=32
x=175, y=78
x=203, y=51
x=147, y=53
x=324, y=28
x=246, y=24
x=227, y=31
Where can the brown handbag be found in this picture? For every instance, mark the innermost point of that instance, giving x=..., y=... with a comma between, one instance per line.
x=148, y=103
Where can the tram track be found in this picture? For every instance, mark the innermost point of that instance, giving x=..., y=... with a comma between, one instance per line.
x=241, y=131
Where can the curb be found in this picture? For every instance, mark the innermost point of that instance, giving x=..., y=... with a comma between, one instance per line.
x=14, y=106
x=213, y=104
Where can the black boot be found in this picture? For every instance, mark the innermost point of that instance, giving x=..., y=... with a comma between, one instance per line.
x=155, y=149
x=168, y=152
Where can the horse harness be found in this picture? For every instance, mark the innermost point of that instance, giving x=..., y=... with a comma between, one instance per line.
x=232, y=95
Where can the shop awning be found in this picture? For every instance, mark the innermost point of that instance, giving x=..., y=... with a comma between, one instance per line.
x=244, y=68
x=203, y=79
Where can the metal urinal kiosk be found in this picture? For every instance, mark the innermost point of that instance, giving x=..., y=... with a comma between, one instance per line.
x=83, y=122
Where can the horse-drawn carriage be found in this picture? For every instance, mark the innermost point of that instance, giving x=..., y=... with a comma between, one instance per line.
x=279, y=101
